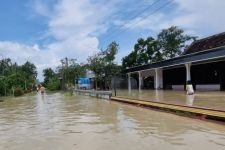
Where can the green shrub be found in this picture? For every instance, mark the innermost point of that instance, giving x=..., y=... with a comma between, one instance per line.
x=18, y=92
x=26, y=91
x=53, y=85
x=2, y=87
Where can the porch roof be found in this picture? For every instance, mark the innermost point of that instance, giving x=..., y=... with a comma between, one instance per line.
x=206, y=56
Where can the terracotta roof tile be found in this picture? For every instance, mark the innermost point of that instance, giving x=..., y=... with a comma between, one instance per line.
x=210, y=42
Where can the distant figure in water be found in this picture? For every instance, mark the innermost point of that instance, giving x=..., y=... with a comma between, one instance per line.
x=189, y=88
x=42, y=89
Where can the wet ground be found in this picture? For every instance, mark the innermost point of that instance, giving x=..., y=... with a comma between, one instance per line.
x=209, y=99
x=59, y=122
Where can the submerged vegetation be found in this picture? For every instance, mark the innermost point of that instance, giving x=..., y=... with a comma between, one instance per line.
x=15, y=79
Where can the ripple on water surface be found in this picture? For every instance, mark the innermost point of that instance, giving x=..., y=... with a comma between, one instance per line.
x=54, y=121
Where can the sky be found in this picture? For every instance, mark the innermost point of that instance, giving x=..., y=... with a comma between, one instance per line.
x=45, y=31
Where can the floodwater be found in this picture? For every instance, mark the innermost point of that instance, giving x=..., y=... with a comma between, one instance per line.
x=59, y=122
x=209, y=99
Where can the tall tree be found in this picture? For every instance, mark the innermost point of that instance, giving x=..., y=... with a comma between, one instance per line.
x=103, y=65
x=74, y=71
x=48, y=74
x=29, y=72
x=130, y=60
x=110, y=52
x=110, y=68
x=14, y=76
x=172, y=41
x=96, y=64
x=145, y=51
x=169, y=44
x=140, y=49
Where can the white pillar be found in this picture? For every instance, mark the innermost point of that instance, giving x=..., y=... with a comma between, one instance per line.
x=158, y=78
x=140, y=80
x=155, y=80
x=189, y=86
x=129, y=83
x=188, y=71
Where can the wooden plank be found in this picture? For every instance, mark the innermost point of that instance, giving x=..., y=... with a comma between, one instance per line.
x=182, y=108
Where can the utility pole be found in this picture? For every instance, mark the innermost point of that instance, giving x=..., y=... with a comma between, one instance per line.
x=64, y=72
x=62, y=76
x=3, y=77
x=25, y=85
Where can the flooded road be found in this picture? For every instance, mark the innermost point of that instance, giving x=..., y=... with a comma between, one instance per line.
x=209, y=99
x=55, y=121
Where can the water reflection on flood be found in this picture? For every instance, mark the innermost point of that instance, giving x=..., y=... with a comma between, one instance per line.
x=210, y=99
x=54, y=121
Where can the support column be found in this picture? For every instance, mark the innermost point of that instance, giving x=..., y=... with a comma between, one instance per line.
x=140, y=81
x=188, y=71
x=158, y=78
x=129, y=83
x=188, y=78
x=222, y=80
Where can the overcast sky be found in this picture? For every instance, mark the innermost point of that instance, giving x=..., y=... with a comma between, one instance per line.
x=44, y=31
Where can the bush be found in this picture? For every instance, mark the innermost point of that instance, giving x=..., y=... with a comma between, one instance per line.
x=2, y=88
x=18, y=92
x=53, y=85
x=27, y=91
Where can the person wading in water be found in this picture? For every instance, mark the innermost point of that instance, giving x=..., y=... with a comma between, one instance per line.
x=42, y=89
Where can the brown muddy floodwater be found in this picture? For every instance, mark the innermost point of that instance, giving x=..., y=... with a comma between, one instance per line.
x=58, y=122
x=208, y=99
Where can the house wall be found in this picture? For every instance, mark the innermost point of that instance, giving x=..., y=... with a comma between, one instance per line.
x=209, y=76
x=175, y=76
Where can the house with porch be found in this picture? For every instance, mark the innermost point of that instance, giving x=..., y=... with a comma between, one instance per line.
x=203, y=63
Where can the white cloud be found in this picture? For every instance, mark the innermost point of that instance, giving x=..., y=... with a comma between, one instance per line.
x=202, y=17
x=41, y=9
x=21, y=53
x=73, y=24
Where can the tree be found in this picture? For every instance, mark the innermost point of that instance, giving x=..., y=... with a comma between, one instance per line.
x=102, y=64
x=2, y=86
x=110, y=52
x=4, y=71
x=96, y=64
x=130, y=60
x=29, y=69
x=172, y=41
x=110, y=68
x=153, y=51
x=14, y=76
x=169, y=44
x=29, y=72
x=140, y=49
x=48, y=74
x=53, y=84
x=145, y=51
x=74, y=71
x=70, y=71
x=15, y=81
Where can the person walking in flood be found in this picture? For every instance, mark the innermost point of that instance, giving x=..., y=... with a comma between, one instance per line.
x=42, y=89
